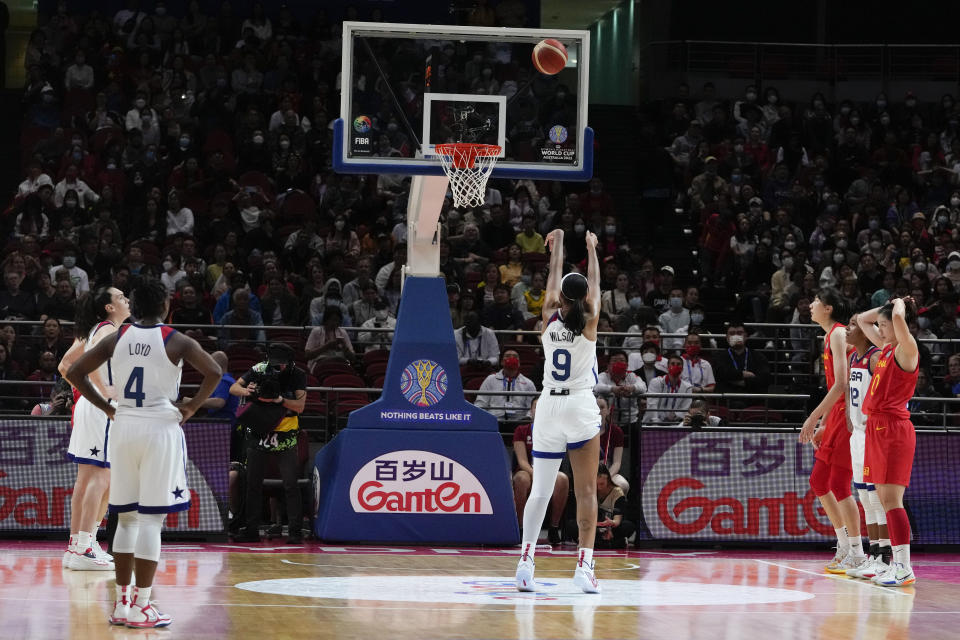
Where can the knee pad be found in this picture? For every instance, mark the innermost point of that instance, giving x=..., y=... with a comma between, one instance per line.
x=877, y=508
x=148, y=541
x=128, y=527
x=820, y=478
x=840, y=481
x=864, y=496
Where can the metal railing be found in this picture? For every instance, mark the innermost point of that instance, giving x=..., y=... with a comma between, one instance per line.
x=328, y=408
x=792, y=350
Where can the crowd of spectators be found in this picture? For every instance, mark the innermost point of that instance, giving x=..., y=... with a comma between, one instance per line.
x=196, y=148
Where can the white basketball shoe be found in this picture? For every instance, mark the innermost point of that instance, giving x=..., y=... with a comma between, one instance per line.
x=584, y=579
x=524, y=577
x=100, y=553
x=88, y=561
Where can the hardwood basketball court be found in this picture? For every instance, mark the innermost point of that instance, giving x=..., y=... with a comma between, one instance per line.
x=329, y=591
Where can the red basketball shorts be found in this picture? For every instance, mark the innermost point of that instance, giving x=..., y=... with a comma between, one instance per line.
x=890, y=445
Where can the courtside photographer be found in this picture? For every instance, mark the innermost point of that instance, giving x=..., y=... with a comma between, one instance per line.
x=275, y=393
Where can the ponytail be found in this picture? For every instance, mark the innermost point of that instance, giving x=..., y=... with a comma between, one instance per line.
x=91, y=311
x=575, y=319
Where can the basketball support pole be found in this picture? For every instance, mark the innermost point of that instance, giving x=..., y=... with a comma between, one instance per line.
x=458, y=442
x=423, y=225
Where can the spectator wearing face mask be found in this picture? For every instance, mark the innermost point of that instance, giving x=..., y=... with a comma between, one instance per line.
x=621, y=388
x=507, y=408
x=78, y=277
x=647, y=363
x=697, y=318
x=781, y=279
x=696, y=370
x=675, y=320
x=172, y=274
x=649, y=334
x=331, y=298
x=741, y=370
x=382, y=319
x=667, y=409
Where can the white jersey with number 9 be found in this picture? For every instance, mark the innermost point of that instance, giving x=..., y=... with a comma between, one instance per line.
x=570, y=361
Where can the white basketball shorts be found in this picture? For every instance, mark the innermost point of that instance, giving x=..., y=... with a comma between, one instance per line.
x=90, y=435
x=858, y=445
x=148, y=473
x=564, y=422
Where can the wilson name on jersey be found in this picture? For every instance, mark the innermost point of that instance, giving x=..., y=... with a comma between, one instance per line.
x=570, y=361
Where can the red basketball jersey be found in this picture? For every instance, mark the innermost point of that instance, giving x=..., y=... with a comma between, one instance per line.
x=891, y=387
x=828, y=356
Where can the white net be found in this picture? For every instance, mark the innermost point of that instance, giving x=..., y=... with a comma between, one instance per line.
x=469, y=167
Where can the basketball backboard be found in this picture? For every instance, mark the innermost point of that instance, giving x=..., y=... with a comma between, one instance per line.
x=406, y=88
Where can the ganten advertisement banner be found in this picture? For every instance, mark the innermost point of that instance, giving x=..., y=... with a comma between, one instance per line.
x=738, y=486
x=36, y=478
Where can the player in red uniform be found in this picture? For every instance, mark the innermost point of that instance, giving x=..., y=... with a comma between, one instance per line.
x=891, y=439
x=832, y=475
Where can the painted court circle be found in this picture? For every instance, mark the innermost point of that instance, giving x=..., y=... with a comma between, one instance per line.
x=487, y=590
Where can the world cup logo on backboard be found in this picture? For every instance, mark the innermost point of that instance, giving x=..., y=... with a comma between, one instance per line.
x=362, y=124
x=558, y=134
x=423, y=383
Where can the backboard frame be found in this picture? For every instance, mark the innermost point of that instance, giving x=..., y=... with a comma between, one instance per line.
x=580, y=170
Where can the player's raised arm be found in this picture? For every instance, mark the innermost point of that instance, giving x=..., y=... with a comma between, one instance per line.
x=88, y=363
x=908, y=354
x=593, y=274
x=867, y=321
x=554, y=243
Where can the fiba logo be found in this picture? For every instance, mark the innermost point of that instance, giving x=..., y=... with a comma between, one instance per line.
x=558, y=134
x=423, y=383
x=362, y=124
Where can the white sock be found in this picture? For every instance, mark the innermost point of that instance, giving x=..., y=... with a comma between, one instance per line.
x=123, y=593
x=529, y=550
x=843, y=540
x=884, y=542
x=141, y=596
x=856, y=545
x=72, y=545
x=901, y=554
x=585, y=557
x=83, y=541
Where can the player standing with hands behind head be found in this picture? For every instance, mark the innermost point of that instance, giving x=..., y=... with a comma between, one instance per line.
x=832, y=473
x=891, y=439
x=147, y=451
x=863, y=362
x=567, y=418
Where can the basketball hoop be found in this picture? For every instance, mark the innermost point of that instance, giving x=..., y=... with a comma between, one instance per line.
x=468, y=166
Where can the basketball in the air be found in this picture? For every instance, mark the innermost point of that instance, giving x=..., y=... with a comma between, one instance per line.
x=549, y=56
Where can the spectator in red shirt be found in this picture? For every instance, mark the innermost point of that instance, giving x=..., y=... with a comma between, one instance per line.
x=715, y=243
x=611, y=446
x=523, y=478
x=596, y=201
x=46, y=372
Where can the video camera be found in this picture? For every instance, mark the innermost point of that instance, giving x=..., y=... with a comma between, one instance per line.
x=280, y=359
